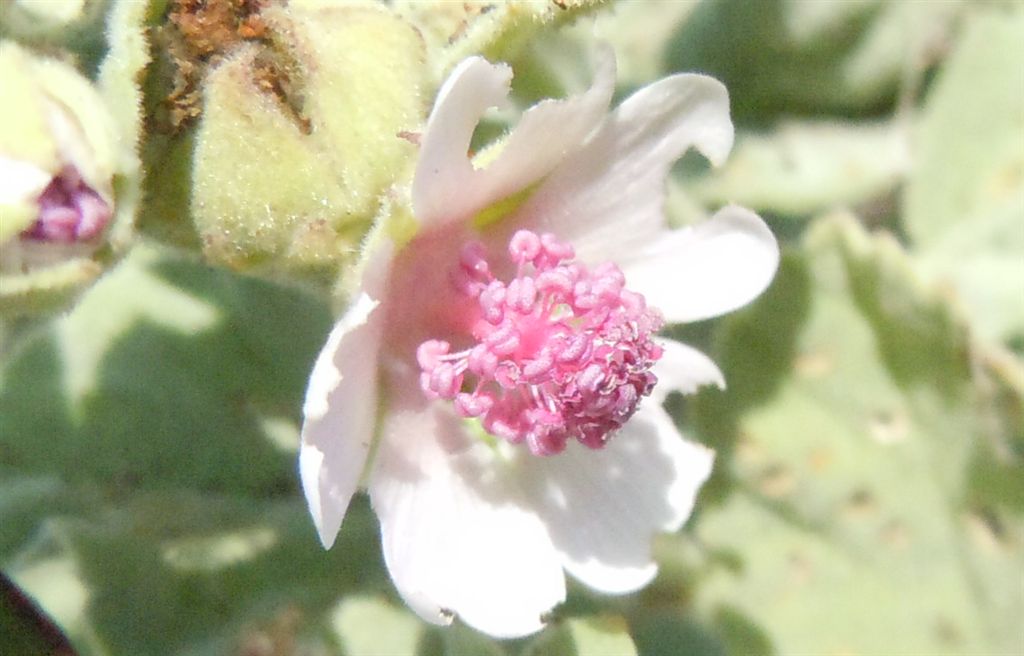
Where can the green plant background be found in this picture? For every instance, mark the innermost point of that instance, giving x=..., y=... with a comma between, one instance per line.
x=868, y=493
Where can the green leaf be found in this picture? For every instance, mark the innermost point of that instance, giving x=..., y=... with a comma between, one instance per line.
x=606, y=635
x=371, y=626
x=179, y=572
x=231, y=353
x=784, y=57
x=147, y=465
x=75, y=26
x=964, y=202
x=460, y=640
x=803, y=168
x=670, y=631
x=601, y=636
x=846, y=516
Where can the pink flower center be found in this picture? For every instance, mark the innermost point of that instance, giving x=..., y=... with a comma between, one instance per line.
x=560, y=351
x=69, y=211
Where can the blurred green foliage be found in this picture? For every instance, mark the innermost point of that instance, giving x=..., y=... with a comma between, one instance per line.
x=850, y=490
x=868, y=496
x=964, y=201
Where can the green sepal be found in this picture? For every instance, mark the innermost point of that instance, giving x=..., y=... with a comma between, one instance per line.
x=46, y=290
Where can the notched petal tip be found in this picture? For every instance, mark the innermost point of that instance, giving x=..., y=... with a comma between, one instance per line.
x=607, y=197
x=310, y=466
x=326, y=375
x=475, y=75
x=716, y=140
x=694, y=463
x=339, y=411
x=447, y=186
x=444, y=171
x=686, y=110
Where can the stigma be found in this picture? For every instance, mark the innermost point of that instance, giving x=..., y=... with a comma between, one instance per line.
x=560, y=352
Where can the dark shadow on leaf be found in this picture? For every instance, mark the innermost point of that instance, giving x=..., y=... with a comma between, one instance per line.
x=920, y=340
x=672, y=632
x=770, y=73
x=161, y=485
x=740, y=633
x=171, y=408
x=755, y=350
x=34, y=419
x=151, y=594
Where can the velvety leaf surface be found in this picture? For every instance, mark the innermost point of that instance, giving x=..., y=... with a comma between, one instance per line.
x=801, y=168
x=964, y=202
x=849, y=521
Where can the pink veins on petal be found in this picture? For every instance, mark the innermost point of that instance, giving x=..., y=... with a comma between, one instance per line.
x=69, y=211
x=560, y=352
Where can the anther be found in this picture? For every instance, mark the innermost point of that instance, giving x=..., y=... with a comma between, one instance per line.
x=560, y=352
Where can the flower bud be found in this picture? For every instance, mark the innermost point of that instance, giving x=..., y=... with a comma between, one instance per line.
x=58, y=160
x=301, y=124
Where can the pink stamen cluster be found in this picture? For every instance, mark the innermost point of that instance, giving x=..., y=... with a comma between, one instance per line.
x=561, y=352
x=69, y=211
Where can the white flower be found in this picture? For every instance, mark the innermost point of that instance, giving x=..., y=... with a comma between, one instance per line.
x=485, y=314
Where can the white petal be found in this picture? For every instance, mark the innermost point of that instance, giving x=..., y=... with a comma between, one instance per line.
x=603, y=508
x=457, y=536
x=705, y=270
x=608, y=197
x=341, y=400
x=683, y=368
x=341, y=405
x=446, y=185
x=442, y=185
